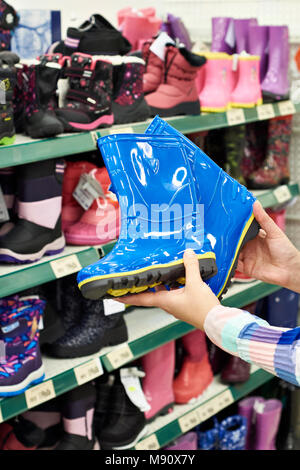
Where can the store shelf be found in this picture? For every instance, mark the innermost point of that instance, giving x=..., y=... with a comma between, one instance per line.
x=15, y=278
x=26, y=150
x=185, y=417
x=148, y=328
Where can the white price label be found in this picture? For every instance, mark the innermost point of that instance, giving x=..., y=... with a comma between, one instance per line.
x=94, y=136
x=65, y=266
x=189, y=421
x=150, y=443
x=265, y=111
x=39, y=394
x=112, y=306
x=121, y=130
x=1, y=416
x=120, y=356
x=286, y=108
x=88, y=371
x=235, y=116
x=225, y=399
x=282, y=193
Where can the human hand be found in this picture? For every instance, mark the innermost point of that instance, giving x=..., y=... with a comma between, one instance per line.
x=270, y=257
x=190, y=303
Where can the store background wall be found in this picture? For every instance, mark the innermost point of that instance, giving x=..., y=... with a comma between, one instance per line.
x=197, y=15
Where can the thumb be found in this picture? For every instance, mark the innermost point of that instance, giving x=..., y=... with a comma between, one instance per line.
x=191, y=264
x=265, y=221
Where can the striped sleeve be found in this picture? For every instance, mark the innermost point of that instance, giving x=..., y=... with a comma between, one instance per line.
x=277, y=350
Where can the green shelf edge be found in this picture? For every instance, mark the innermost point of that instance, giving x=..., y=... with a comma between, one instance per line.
x=37, y=274
x=172, y=431
x=69, y=144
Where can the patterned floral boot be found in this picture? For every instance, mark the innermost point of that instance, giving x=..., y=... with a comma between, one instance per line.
x=89, y=97
x=129, y=104
x=275, y=169
x=20, y=358
x=234, y=140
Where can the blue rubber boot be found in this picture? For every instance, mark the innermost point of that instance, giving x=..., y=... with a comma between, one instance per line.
x=160, y=217
x=228, y=217
x=208, y=434
x=232, y=433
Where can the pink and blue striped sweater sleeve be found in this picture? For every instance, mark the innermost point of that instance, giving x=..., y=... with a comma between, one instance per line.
x=276, y=350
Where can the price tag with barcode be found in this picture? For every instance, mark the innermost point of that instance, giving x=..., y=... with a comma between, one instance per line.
x=88, y=371
x=120, y=356
x=282, y=193
x=189, y=421
x=39, y=394
x=65, y=266
x=286, y=108
x=150, y=443
x=235, y=116
x=121, y=130
x=225, y=399
x=265, y=111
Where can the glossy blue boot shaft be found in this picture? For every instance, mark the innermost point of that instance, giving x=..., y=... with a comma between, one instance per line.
x=228, y=207
x=160, y=216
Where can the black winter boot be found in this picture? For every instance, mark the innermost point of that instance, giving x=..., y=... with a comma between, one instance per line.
x=95, y=36
x=77, y=411
x=129, y=104
x=8, y=78
x=126, y=424
x=37, y=231
x=37, y=85
x=89, y=96
x=93, y=332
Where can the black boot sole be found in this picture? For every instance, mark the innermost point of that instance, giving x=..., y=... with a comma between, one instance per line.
x=191, y=107
x=139, y=111
x=135, y=282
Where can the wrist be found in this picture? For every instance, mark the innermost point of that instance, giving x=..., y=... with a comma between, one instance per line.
x=294, y=275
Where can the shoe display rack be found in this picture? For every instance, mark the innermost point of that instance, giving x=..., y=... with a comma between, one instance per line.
x=26, y=150
x=148, y=328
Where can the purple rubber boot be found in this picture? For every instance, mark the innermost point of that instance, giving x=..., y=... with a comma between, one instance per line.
x=267, y=419
x=179, y=31
x=37, y=231
x=275, y=86
x=246, y=409
x=159, y=367
x=241, y=30
x=20, y=358
x=222, y=35
x=258, y=38
x=186, y=442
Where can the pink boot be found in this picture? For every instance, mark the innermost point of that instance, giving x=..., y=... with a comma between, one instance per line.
x=218, y=82
x=71, y=210
x=159, y=366
x=153, y=75
x=178, y=92
x=138, y=24
x=101, y=222
x=196, y=372
x=247, y=92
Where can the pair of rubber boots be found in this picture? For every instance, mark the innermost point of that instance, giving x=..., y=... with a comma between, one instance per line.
x=263, y=418
x=270, y=43
x=99, y=223
x=162, y=190
x=169, y=82
x=160, y=386
x=229, y=434
x=220, y=87
x=33, y=194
